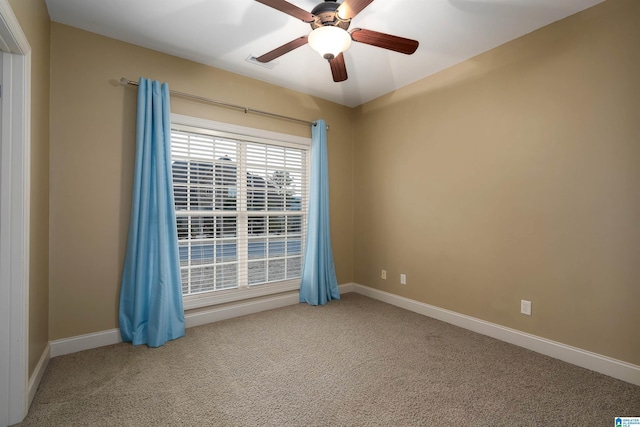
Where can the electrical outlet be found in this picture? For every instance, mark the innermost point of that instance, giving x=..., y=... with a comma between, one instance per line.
x=525, y=307
x=383, y=274
x=403, y=279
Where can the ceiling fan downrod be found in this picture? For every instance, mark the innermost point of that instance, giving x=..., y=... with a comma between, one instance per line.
x=326, y=14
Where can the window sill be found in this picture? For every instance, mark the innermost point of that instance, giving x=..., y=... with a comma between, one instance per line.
x=206, y=299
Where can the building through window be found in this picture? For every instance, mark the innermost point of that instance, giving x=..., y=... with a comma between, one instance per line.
x=241, y=207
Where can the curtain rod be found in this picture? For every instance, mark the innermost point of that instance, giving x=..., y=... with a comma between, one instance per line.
x=124, y=82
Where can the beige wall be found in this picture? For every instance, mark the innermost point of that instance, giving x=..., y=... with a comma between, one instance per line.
x=92, y=157
x=514, y=175
x=34, y=21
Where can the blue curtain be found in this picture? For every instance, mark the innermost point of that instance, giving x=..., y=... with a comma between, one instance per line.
x=151, y=309
x=319, y=283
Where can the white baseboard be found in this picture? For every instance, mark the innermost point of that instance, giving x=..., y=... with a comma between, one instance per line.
x=36, y=377
x=576, y=356
x=605, y=365
x=85, y=342
x=346, y=288
x=214, y=314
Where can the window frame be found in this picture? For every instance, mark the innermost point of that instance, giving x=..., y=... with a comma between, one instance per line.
x=210, y=127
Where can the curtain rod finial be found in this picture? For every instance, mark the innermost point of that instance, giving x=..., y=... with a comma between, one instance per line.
x=124, y=81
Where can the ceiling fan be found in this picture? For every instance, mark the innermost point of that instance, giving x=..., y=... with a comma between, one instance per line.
x=329, y=21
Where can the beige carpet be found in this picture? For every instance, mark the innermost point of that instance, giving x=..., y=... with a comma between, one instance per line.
x=353, y=362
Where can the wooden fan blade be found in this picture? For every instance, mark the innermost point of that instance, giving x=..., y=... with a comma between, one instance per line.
x=338, y=68
x=289, y=9
x=385, y=41
x=285, y=48
x=350, y=8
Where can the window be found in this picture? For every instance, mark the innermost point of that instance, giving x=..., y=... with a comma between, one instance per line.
x=241, y=210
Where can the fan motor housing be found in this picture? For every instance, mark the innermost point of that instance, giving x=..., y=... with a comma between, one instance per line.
x=325, y=15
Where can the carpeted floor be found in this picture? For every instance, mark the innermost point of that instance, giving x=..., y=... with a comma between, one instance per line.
x=353, y=362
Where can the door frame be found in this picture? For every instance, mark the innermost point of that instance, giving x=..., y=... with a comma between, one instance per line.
x=15, y=144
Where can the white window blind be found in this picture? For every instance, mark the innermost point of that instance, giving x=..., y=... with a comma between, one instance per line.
x=241, y=208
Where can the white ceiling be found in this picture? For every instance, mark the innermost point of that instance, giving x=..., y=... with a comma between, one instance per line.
x=223, y=33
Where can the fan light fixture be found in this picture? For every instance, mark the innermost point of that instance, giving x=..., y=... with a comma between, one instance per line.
x=329, y=41
x=329, y=21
